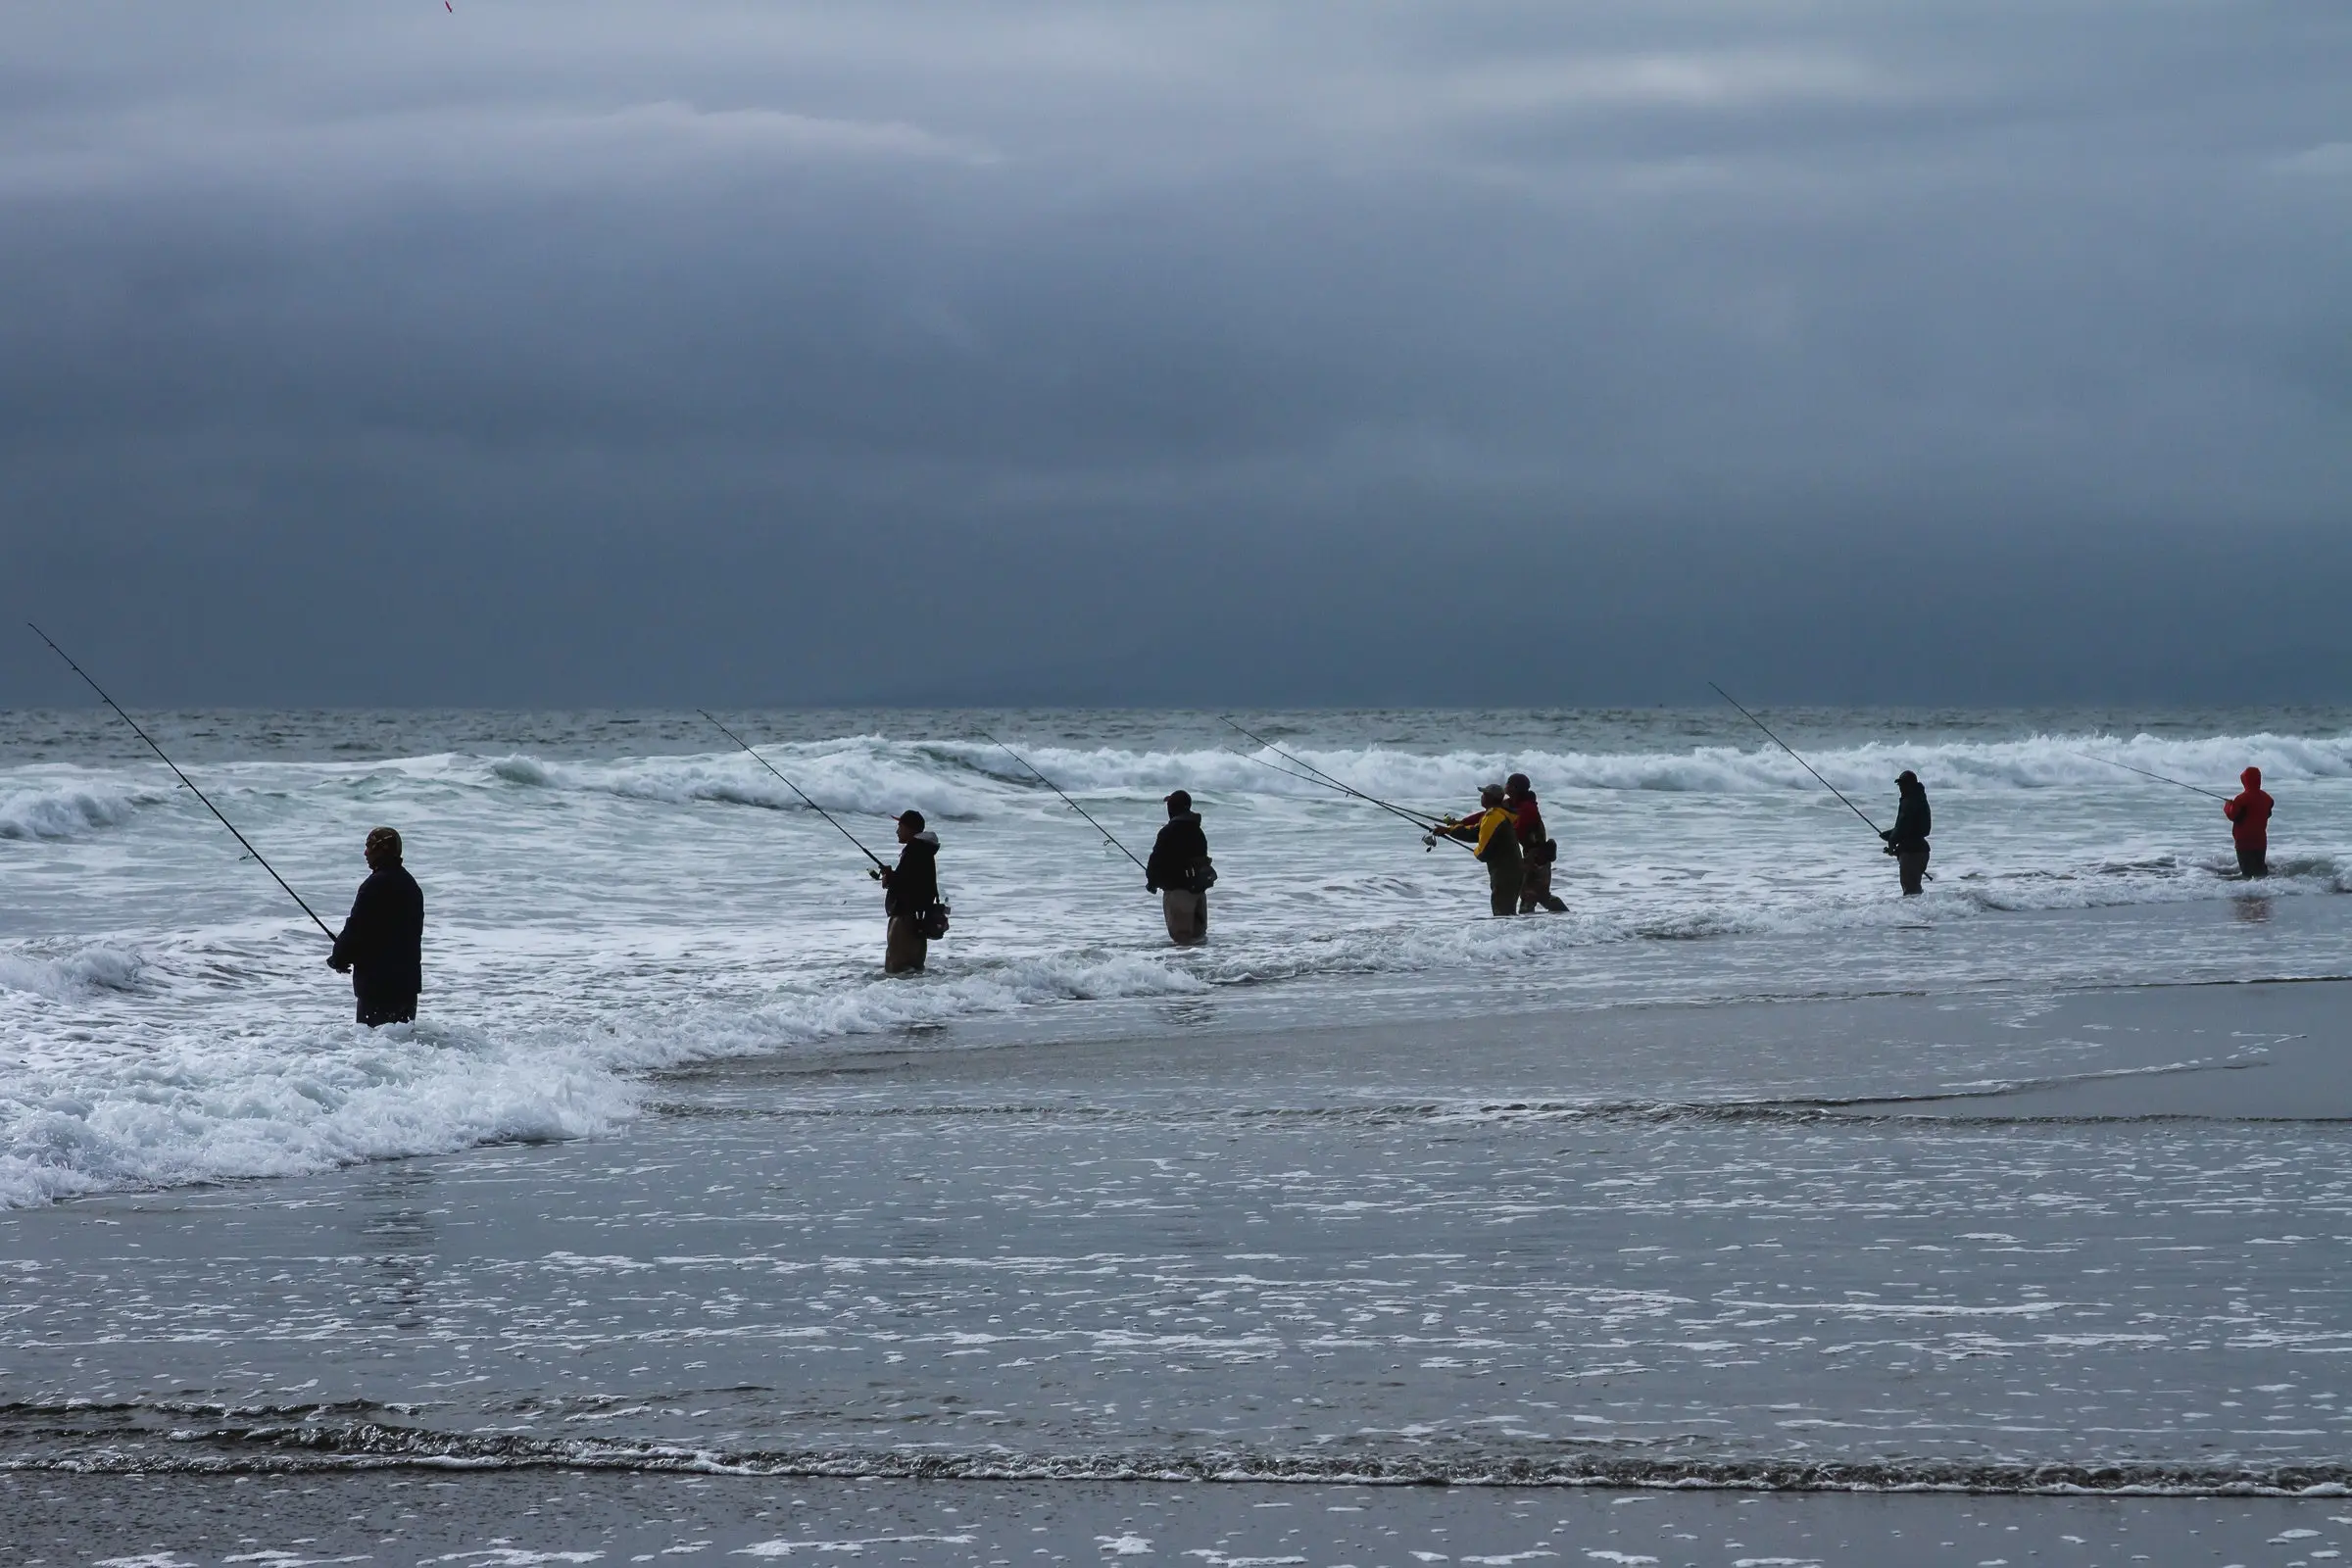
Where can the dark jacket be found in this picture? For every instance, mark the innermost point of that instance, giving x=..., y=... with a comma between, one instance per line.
x=383, y=941
x=1912, y=821
x=915, y=881
x=1180, y=857
x=2250, y=814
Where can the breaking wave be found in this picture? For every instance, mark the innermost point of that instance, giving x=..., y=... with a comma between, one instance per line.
x=872, y=774
x=68, y=811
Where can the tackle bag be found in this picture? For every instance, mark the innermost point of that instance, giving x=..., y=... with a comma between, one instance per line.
x=932, y=923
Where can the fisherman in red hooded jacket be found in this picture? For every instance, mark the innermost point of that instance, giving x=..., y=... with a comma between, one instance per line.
x=2250, y=826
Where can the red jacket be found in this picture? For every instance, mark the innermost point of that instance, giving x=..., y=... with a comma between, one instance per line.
x=2250, y=814
x=1527, y=818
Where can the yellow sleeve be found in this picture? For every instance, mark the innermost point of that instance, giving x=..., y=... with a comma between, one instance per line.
x=1486, y=825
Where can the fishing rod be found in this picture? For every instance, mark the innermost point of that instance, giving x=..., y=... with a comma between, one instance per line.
x=796, y=790
x=1107, y=836
x=1430, y=828
x=1422, y=819
x=183, y=778
x=2145, y=773
x=1800, y=762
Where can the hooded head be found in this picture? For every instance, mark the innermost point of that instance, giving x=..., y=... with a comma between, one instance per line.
x=2251, y=778
x=1906, y=781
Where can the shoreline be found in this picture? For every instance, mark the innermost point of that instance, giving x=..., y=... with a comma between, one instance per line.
x=510, y=1521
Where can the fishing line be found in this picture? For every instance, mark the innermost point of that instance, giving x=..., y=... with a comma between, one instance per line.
x=183, y=778
x=2145, y=773
x=1425, y=823
x=796, y=790
x=1107, y=836
x=1800, y=762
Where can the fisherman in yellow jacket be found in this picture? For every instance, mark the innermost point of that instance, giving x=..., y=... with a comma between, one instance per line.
x=1495, y=833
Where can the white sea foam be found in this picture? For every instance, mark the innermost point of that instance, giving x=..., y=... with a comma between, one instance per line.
x=158, y=1107
x=200, y=1106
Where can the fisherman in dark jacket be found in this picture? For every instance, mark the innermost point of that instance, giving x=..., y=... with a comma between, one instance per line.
x=912, y=890
x=1180, y=873
x=1907, y=840
x=382, y=944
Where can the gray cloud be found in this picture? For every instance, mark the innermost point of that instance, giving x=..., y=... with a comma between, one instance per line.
x=624, y=354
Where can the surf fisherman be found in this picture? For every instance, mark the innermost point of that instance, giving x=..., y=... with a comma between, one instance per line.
x=911, y=898
x=381, y=945
x=2250, y=826
x=1537, y=852
x=1907, y=840
x=1180, y=873
x=1495, y=833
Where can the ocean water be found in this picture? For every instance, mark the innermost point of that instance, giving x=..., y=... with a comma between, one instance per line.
x=612, y=894
x=1745, y=1171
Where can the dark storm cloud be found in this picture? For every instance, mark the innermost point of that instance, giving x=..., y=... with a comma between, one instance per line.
x=1528, y=353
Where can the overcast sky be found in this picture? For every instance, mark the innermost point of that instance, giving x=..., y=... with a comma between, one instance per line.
x=1482, y=352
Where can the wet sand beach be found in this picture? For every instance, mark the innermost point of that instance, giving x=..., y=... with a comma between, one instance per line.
x=2030, y=1244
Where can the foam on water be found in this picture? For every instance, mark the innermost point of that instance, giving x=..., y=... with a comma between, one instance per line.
x=598, y=913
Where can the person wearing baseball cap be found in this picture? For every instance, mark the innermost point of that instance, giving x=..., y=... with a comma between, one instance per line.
x=381, y=945
x=1181, y=872
x=1907, y=840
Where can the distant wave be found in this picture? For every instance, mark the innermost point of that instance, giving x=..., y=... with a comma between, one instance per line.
x=871, y=774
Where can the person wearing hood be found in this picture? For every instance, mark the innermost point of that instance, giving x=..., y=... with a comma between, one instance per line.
x=1180, y=873
x=2250, y=826
x=1907, y=840
x=1537, y=850
x=381, y=945
x=911, y=896
x=1495, y=834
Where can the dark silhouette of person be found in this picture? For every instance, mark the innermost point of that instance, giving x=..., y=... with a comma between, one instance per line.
x=1180, y=873
x=2250, y=826
x=382, y=944
x=1907, y=840
x=912, y=890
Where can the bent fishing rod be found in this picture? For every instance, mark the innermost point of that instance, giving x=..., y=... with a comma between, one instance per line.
x=880, y=865
x=1430, y=828
x=183, y=778
x=1108, y=837
x=2145, y=773
x=1800, y=762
